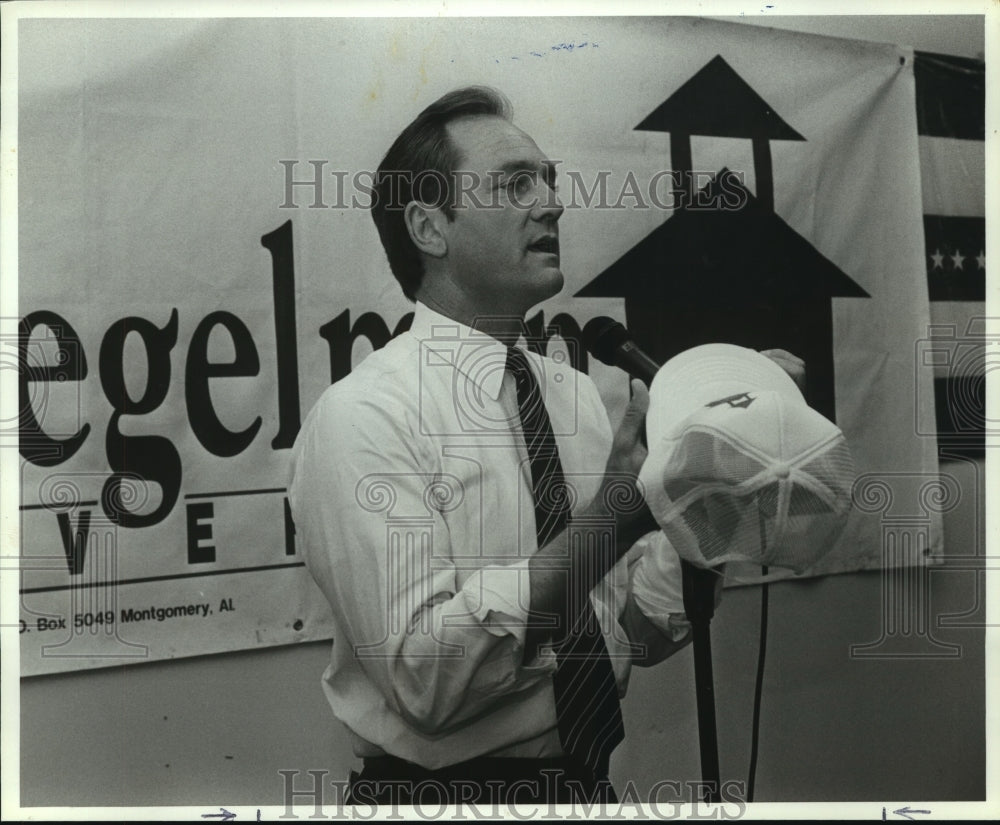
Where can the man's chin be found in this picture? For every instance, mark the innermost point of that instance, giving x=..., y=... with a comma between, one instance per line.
x=548, y=284
x=551, y=281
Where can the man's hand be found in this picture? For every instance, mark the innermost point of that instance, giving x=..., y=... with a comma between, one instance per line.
x=792, y=364
x=620, y=495
x=627, y=450
x=618, y=498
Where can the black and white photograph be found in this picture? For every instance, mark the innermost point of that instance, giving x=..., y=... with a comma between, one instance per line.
x=457, y=411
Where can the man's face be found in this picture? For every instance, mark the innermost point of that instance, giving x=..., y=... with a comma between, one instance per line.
x=503, y=240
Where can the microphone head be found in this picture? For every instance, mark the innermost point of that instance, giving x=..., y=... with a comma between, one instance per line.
x=602, y=336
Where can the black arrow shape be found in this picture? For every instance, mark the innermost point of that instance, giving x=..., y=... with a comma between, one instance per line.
x=717, y=102
x=731, y=272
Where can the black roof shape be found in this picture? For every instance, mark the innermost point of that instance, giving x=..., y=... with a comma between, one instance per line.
x=721, y=256
x=717, y=101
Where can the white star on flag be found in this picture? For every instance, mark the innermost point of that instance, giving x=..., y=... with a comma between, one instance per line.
x=957, y=258
x=937, y=257
x=981, y=259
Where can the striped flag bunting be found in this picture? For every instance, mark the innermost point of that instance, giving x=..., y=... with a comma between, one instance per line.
x=950, y=99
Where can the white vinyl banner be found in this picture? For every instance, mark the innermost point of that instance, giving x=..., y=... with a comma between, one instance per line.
x=197, y=262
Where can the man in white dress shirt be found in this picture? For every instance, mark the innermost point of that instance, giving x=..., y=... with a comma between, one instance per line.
x=416, y=491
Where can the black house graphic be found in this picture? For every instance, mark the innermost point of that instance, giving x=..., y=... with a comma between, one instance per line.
x=725, y=267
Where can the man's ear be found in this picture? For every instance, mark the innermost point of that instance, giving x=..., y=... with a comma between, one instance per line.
x=424, y=223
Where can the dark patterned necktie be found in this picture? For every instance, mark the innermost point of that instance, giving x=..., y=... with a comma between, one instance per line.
x=587, y=709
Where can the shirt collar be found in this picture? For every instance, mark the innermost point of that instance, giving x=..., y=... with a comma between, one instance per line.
x=481, y=358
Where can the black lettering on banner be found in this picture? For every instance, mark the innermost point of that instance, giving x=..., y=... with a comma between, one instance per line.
x=35, y=444
x=565, y=326
x=85, y=620
x=279, y=244
x=147, y=460
x=340, y=336
x=74, y=542
x=43, y=624
x=199, y=528
x=147, y=457
x=289, y=530
x=205, y=424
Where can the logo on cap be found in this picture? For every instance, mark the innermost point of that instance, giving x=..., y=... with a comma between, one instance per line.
x=742, y=401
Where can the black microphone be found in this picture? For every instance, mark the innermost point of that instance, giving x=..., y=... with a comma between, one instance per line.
x=610, y=343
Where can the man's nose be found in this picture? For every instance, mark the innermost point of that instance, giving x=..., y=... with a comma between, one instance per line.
x=549, y=206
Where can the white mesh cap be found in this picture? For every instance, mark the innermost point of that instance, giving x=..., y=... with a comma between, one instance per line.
x=739, y=467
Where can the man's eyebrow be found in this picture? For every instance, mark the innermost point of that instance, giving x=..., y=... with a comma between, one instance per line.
x=526, y=165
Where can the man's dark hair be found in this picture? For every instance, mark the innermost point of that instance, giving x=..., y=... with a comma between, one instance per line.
x=424, y=158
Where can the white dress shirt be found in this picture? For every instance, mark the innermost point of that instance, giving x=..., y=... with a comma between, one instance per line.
x=411, y=496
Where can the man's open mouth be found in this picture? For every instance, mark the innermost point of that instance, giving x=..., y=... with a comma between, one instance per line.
x=549, y=244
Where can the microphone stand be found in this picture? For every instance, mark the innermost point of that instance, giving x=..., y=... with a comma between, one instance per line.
x=611, y=343
x=699, y=605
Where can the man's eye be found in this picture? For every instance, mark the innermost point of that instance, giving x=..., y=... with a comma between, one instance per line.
x=520, y=184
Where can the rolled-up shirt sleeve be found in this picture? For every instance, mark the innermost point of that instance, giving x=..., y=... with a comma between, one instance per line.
x=658, y=597
x=498, y=604
x=440, y=639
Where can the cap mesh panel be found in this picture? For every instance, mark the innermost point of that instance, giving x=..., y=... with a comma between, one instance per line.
x=732, y=520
